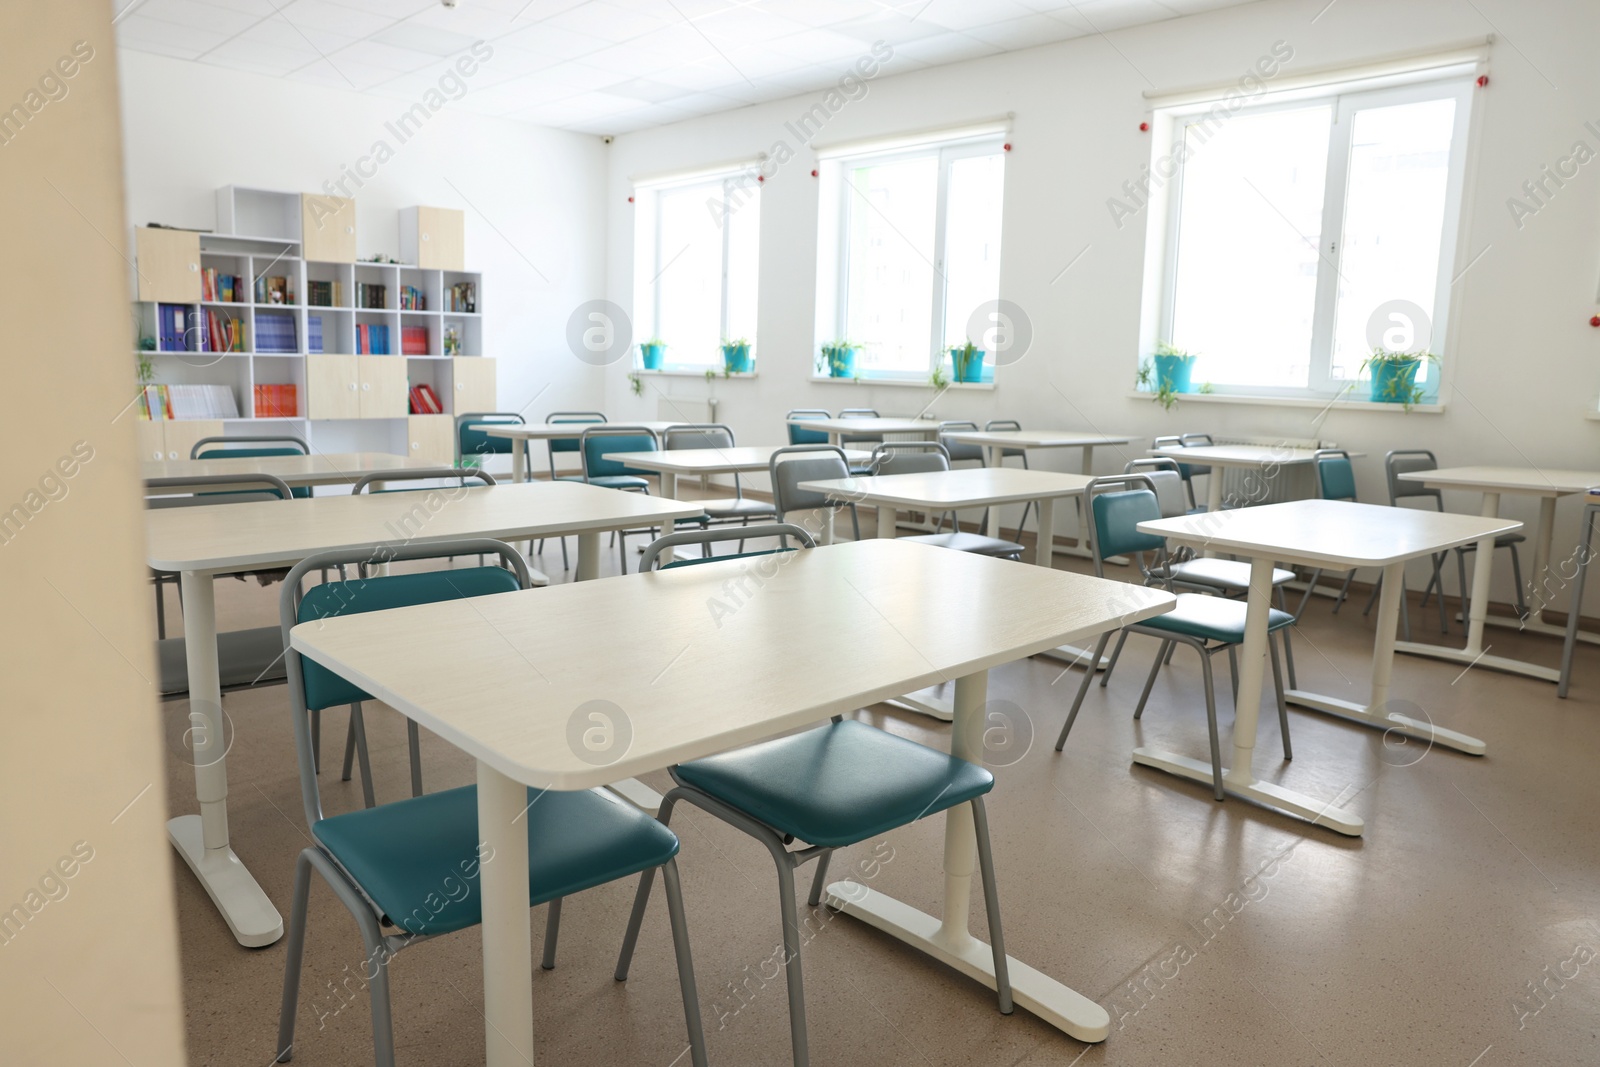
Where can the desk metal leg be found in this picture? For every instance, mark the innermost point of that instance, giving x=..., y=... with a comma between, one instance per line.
x=1238, y=779
x=507, y=921
x=1375, y=713
x=1576, y=608
x=948, y=940
x=1475, y=654
x=669, y=490
x=202, y=840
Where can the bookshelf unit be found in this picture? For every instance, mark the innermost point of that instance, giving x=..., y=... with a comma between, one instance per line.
x=351, y=390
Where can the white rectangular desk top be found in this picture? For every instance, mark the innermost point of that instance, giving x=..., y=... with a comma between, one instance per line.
x=868, y=426
x=274, y=533
x=331, y=468
x=1240, y=455
x=965, y=487
x=546, y=431
x=1528, y=481
x=1335, y=534
x=1034, y=438
x=505, y=678
x=713, y=460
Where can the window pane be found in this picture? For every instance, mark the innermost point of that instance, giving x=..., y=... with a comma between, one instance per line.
x=689, y=287
x=972, y=244
x=889, y=300
x=1393, y=227
x=744, y=255
x=1250, y=226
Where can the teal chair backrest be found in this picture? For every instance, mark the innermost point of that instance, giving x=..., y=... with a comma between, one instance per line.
x=1116, y=520
x=300, y=492
x=569, y=444
x=1336, y=478
x=798, y=435
x=595, y=448
x=323, y=688
x=475, y=441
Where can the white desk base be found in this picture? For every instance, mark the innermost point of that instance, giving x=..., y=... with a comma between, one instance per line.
x=244, y=906
x=1273, y=796
x=1350, y=711
x=930, y=702
x=949, y=941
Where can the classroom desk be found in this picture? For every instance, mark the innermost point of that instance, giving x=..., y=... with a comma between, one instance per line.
x=199, y=543
x=319, y=468
x=558, y=431
x=603, y=642
x=1240, y=456
x=969, y=487
x=1334, y=535
x=838, y=429
x=1492, y=482
x=996, y=442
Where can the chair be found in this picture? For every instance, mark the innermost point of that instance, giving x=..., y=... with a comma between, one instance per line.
x=386, y=863
x=724, y=511
x=1208, y=624
x=1409, y=460
x=419, y=474
x=781, y=530
x=1336, y=480
x=831, y=787
x=918, y=457
x=255, y=446
x=790, y=466
x=1188, y=471
x=559, y=445
x=956, y=450
x=869, y=439
x=593, y=447
x=799, y=435
x=1005, y=426
x=473, y=442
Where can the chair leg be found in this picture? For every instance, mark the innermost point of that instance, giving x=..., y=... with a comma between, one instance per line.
x=1461, y=566
x=1211, y=722
x=414, y=738
x=855, y=522
x=819, y=880
x=564, y=564
x=635, y=919
x=1516, y=577
x=1305, y=598
x=680, y=948
x=1344, y=590
x=1233, y=671
x=793, y=978
x=1405, y=611
x=1372, y=599
x=1150, y=679
x=316, y=741
x=349, y=748
x=358, y=724
x=378, y=990
x=296, y=945
x=552, y=931
x=991, y=903
x=1083, y=688
x=1438, y=587
x=1277, y=687
x=1288, y=649
x=1105, y=675
x=161, y=611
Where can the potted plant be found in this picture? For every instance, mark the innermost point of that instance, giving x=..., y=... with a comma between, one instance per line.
x=937, y=378
x=1394, y=375
x=967, y=361
x=636, y=383
x=650, y=353
x=736, y=355
x=840, y=358
x=1160, y=392
x=1172, y=368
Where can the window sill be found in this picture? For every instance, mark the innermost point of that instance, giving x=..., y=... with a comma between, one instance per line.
x=689, y=373
x=1299, y=402
x=902, y=383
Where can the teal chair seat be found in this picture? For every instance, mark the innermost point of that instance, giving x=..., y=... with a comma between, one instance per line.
x=405, y=855
x=1230, y=575
x=838, y=784
x=1211, y=618
x=617, y=481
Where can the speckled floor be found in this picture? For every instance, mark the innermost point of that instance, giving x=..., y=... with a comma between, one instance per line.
x=1460, y=931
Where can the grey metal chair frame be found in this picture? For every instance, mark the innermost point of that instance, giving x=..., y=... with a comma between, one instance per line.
x=706, y=432
x=617, y=430
x=860, y=438
x=1003, y=425
x=256, y=439
x=783, y=506
x=381, y=948
x=419, y=474
x=781, y=530
x=883, y=462
x=488, y=418
x=1175, y=440
x=574, y=417
x=1169, y=641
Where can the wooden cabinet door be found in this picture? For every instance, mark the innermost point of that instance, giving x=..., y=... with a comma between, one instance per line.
x=152, y=440
x=327, y=228
x=333, y=387
x=383, y=387
x=474, y=386
x=430, y=437
x=182, y=434
x=441, y=238
x=168, y=265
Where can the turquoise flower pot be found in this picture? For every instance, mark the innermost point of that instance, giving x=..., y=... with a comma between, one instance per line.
x=1173, y=372
x=972, y=371
x=841, y=362
x=1393, y=381
x=650, y=355
x=736, y=358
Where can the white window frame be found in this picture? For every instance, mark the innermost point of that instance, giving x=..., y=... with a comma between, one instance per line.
x=947, y=153
x=1346, y=100
x=739, y=188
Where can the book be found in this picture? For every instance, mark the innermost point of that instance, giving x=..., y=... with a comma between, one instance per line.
x=463, y=296
x=275, y=333
x=277, y=401
x=414, y=340
x=313, y=333
x=424, y=401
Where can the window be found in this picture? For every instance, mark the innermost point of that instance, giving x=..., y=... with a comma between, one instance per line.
x=697, y=251
x=917, y=254
x=1303, y=234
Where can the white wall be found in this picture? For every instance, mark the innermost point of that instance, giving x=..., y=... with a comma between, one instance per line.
x=1524, y=365
x=532, y=196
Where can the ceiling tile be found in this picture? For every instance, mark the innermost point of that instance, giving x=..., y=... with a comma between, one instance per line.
x=610, y=22
x=552, y=41
x=383, y=55
x=280, y=32
x=201, y=16
x=646, y=90
x=431, y=40
x=336, y=17
x=260, y=57
x=962, y=14
x=343, y=75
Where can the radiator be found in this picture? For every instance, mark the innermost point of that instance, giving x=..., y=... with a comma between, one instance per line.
x=1262, y=485
x=686, y=409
